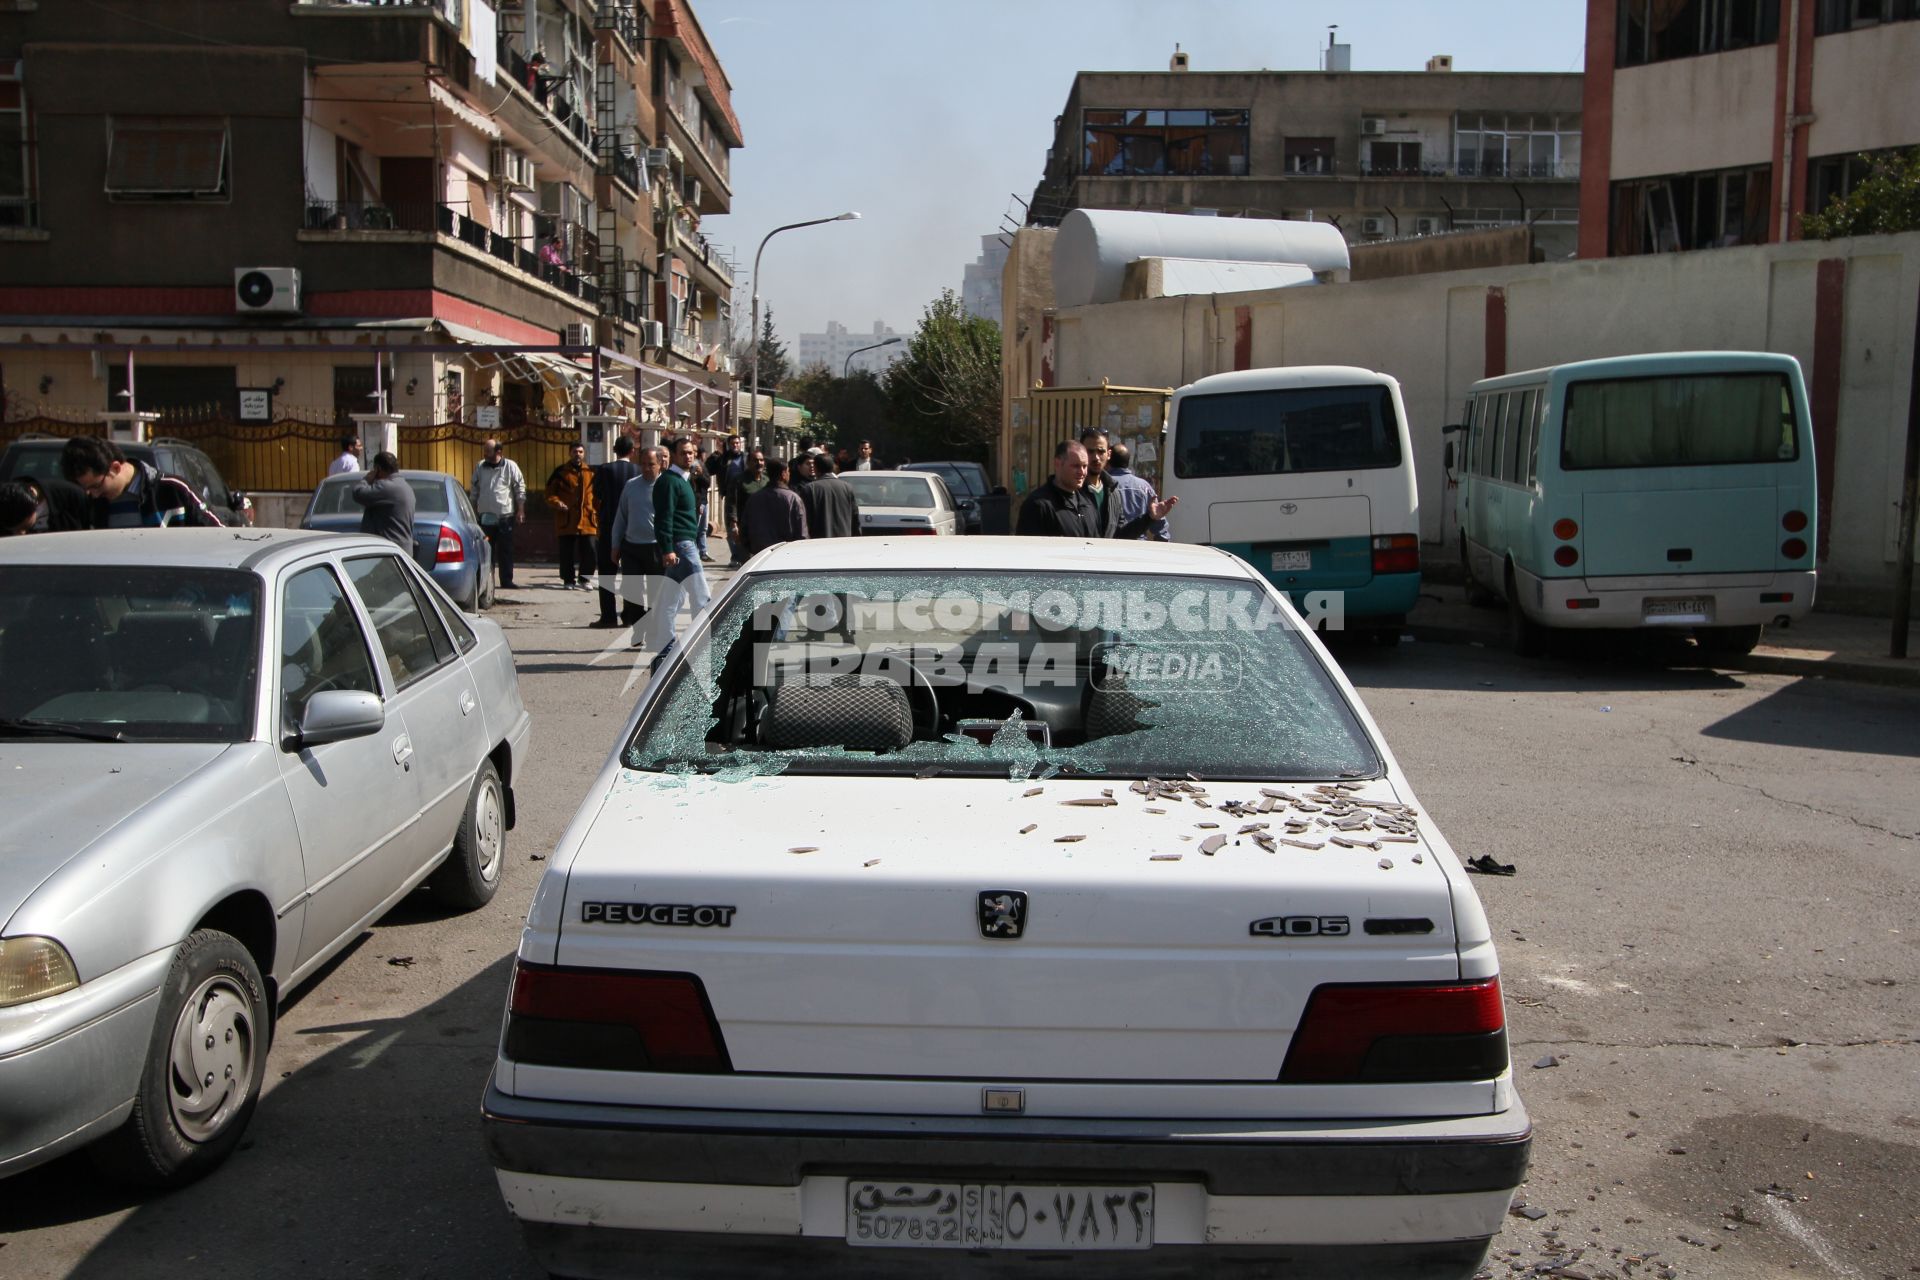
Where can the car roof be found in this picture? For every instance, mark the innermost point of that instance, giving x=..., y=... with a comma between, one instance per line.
x=1303, y=375
x=912, y=475
x=991, y=553
x=257, y=549
x=351, y=477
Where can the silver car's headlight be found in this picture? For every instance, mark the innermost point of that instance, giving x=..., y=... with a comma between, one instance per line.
x=33, y=969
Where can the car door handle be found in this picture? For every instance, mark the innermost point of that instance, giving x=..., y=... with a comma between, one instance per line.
x=467, y=703
x=403, y=752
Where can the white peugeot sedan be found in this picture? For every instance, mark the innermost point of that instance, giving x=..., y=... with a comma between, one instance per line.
x=904, y=503
x=223, y=754
x=980, y=903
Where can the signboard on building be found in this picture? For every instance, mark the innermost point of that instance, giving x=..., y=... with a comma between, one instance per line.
x=256, y=404
x=487, y=417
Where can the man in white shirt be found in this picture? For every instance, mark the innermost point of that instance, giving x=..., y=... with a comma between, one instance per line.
x=865, y=461
x=349, y=460
x=499, y=494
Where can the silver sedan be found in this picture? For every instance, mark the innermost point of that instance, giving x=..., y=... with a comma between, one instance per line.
x=222, y=756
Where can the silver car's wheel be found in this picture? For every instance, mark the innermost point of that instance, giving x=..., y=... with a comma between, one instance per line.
x=468, y=878
x=212, y=1061
x=205, y=1065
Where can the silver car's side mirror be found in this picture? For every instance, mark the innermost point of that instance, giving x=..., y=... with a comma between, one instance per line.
x=334, y=715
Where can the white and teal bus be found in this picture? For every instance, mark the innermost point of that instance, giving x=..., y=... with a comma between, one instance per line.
x=1307, y=474
x=1670, y=490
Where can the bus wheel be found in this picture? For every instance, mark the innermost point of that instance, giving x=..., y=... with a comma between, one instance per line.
x=1477, y=595
x=1528, y=638
x=1728, y=642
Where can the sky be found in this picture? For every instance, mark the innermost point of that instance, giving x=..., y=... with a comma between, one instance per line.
x=928, y=116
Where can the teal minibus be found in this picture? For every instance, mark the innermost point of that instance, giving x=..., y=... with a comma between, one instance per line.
x=1652, y=491
x=1307, y=474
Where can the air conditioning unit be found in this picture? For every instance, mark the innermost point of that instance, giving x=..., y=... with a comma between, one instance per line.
x=653, y=334
x=1373, y=125
x=1426, y=226
x=512, y=168
x=266, y=291
x=1373, y=226
x=659, y=158
x=576, y=335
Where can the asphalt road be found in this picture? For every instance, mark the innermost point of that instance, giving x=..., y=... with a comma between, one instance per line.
x=1711, y=938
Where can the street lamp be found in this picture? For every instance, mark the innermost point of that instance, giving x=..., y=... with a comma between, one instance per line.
x=753, y=333
x=848, y=362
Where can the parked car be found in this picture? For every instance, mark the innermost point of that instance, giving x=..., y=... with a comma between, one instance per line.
x=903, y=502
x=448, y=541
x=39, y=457
x=221, y=759
x=967, y=482
x=1008, y=895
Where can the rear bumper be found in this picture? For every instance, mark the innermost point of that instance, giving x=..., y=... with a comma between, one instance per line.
x=626, y=1191
x=1622, y=602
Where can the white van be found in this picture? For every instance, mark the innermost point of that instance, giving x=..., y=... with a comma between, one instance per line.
x=1307, y=474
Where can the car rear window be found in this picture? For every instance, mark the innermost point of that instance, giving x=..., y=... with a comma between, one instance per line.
x=1021, y=675
x=890, y=491
x=1283, y=430
x=155, y=653
x=334, y=497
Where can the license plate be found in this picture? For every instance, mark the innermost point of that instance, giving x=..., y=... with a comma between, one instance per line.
x=993, y=1215
x=1293, y=560
x=1680, y=609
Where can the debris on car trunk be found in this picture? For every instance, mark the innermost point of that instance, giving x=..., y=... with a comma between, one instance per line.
x=1029, y=828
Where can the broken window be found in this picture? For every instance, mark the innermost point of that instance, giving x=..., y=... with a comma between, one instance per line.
x=167, y=158
x=1309, y=155
x=1690, y=211
x=1141, y=141
x=980, y=673
x=1657, y=30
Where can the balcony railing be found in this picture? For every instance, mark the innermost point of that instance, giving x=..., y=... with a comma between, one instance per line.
x=369, y=215
x=616, y=157
x=451, y=10
x=618, y=16
x=544, y=89
x=330, y=215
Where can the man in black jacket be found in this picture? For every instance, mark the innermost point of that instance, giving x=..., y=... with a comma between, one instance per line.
x=389, y=502
x=609, y=480
x=126, y=494
x=1060, y=508
x=833, y=510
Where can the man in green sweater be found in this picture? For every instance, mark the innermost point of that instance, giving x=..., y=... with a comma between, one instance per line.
x=675, y=524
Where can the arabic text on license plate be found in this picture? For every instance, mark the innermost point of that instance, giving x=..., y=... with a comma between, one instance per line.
x=1293, y=560
x=992, y=1215
x=1681, y=609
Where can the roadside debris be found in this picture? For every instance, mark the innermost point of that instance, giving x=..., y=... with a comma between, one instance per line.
x=1485, y=865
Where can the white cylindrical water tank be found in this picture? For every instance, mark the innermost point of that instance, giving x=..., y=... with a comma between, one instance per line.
x=1091, y=253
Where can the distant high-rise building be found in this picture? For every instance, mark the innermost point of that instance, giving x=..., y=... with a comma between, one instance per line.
x=834, y=346
x=980, y=291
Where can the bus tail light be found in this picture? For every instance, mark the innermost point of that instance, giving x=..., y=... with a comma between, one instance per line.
x=1410, y=1031
x=1565, y=529
x=1396, y=553
x=1794, y=549
x=1566, y=557
x=450, y=549
x=1583, y=602
x=612, y=1020
x=1794, y=521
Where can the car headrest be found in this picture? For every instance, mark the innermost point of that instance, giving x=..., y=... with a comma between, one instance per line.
x=858, y=712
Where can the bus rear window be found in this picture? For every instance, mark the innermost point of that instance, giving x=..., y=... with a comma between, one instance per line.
x=1283, y=430
x=1689, y=420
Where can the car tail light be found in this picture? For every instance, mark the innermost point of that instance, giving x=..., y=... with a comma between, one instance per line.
x=1794, y=549
x=1565, y=529
x=1396, y=553
x=1794, y=521
x=1566, y=557
x=1353, y=1034
x=1584, y=602
x=612, y=1020
x=914, y=528
x=451, y=550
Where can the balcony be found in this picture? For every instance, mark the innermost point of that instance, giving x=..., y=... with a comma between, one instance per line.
x=532, y=80
x=450, y=10
x=619, y=17
x=614, y=153
x=418, y=221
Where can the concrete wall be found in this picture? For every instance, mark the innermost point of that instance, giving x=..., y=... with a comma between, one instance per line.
x=1866, y=93
x=1723, y=107
x=1431, y=332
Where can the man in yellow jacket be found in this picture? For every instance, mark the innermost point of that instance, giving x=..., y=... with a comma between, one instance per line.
x=575, y=521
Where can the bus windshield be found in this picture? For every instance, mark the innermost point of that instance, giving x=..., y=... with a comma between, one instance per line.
x=1287, y=429
x=1684, y=420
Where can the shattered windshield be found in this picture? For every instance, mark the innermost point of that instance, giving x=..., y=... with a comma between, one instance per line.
x=149, y=653
x=1021, y=675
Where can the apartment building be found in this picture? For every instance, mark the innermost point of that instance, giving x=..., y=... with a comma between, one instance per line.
x=980, y=284
x=1381, y=154
x=834, y=349
x=1722, y=122
x=255, y=199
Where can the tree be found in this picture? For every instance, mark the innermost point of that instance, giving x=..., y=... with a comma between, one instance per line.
x=1887, y=200
x=845, y=410
x=945, y=391
x=775, y=367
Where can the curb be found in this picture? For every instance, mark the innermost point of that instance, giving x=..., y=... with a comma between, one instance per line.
x=1760, y=663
